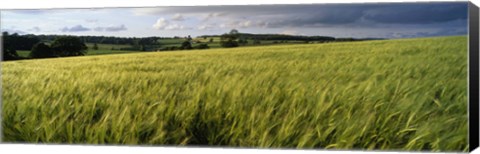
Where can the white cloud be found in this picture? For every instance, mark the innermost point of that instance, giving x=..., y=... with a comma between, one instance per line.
x=178, y=17
x=176, y=27
x=206, y=27
x=213, y=15
x=163, y=24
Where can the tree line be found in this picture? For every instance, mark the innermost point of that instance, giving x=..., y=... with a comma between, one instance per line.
x=234, y=38
x=45, y=46
x=109, y=39
x=277, y=37
x=63, y=46
x=49, y=46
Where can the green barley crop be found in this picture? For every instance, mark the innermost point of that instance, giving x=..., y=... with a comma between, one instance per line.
x=407, y=94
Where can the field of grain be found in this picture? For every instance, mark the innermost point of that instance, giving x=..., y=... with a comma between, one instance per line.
x=408, y=94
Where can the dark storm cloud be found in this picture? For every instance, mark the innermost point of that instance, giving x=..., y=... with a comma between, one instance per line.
x=448, y=31
x=246, y=10
x=441, y=32
x=417, y=13
x=276, y=14
x=318, y=15
x=373, y=15
x=318, y=18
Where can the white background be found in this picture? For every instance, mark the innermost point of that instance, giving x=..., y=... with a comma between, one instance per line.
x=82, y=149
x=18, y=4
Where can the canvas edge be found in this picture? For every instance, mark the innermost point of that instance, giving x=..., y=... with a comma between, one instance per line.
x=473, y=106
x=1, y=81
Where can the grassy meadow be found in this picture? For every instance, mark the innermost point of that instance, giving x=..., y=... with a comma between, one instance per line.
x=406, y=94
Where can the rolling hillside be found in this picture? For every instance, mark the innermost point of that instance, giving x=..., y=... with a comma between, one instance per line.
x=389, y=94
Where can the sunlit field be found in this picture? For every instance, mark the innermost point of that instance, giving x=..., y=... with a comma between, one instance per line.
x=407, y=94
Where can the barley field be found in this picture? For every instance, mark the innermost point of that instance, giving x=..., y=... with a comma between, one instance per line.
x=405, y=94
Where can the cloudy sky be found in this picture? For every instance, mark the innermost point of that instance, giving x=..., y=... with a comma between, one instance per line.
x=385, y=20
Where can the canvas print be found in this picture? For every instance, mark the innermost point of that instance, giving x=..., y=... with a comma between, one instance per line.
x=366, y=76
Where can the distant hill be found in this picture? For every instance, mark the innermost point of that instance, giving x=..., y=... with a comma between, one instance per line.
x=284, y=37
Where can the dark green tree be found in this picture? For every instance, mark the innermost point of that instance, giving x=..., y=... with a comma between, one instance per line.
x=242, y=41
x=9, y=52
x=19, y=42
x=234, y=32
x=69, y=46
x=202, y=46
x=186, y=45
x=189, y=38
x=230, y=40
x=95, y=46
x=229, y=43
x=41, y=50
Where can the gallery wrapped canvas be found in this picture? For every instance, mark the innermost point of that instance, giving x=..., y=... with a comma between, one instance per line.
x=359, y=76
